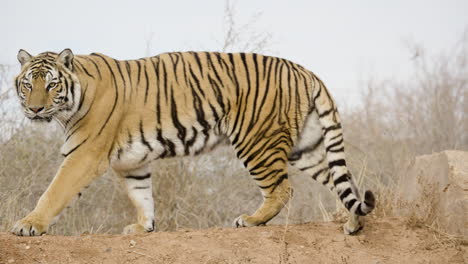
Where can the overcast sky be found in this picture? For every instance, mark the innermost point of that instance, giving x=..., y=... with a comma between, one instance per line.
x=343, y=42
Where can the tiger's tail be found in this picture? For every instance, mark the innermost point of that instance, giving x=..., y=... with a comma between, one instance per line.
x=334, y=147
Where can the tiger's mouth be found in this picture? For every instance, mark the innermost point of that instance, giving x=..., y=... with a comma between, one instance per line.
x=38, y=118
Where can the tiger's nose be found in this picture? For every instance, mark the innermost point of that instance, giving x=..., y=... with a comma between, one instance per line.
x=36, y=109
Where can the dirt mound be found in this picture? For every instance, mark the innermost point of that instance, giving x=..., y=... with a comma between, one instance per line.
x=382, y=241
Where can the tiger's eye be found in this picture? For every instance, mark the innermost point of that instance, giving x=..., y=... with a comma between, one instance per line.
x=28, y=85
x=52, y=85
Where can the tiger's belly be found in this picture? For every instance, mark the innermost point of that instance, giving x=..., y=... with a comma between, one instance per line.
x=150, y=146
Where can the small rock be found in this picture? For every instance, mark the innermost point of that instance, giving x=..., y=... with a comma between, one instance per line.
x=132, y=243
x=109, y=249
x=11, y=260
x=27, y=247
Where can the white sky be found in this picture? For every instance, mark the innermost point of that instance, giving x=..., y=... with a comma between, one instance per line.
x=343, y=42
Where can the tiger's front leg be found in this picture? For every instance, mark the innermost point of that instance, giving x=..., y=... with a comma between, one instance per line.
x=76, y=172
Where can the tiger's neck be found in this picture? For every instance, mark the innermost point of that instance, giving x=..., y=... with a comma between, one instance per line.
x=65, y=116
x=83, y=94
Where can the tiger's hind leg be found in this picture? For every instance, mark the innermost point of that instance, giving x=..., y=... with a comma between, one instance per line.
x=310, y=156
x=266, y=161
x=139, y=189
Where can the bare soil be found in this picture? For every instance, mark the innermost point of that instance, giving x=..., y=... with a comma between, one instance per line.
x=387, y=240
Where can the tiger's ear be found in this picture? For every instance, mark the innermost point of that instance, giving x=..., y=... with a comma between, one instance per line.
x=66, y=58
x=24, y=57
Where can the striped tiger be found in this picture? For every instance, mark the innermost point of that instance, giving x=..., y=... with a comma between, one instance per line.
x=124, y=114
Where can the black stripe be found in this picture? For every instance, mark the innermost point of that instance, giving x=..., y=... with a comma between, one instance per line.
x=194, y=77
x=128, y=67
x=349, y=204
x=200, y=114
x=275, y=184
x=181, y=131
x=330, y=128
x=341, y=179
x=241, y=116
x=164, y=80
x=83, y=96
x=316, y=174
x=95, y=65
x=263, y=165
x=335, y=137
x=119, y=152
x=75, y=148
x=141, y=187
x=268, y=174
x=344, y=194
x=116, y=92
x=84, y=69
x=146, y=82
x=234, y=75
x=117, y=63
x=144, y=157
x=339, y=162
x=197, y=59
x=191, y=141
x=266, y=92
x=174, y=65
x=143, y=139
x=327, y=180
x=137, y=177
x=329, y=147
x=326, y=113
x=318, y=94
x=256, y=87
x=337, y=150
x=138, y=62
x=72, y=90
x=78, y=121
x=270, y=143
x=169, y=148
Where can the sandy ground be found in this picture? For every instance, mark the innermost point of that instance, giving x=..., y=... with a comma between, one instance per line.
x=382, y=241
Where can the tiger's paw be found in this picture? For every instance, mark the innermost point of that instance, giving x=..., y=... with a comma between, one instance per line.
x=135, y=229
x=353, y=226
x=245, y=221
x=29, y=226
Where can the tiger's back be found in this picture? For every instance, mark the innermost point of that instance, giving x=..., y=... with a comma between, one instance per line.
x=174, y=105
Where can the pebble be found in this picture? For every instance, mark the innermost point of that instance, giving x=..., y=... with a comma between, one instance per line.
x=132, y=243
x=11, y=260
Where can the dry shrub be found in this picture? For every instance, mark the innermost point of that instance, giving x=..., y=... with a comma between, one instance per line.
x=401, y=119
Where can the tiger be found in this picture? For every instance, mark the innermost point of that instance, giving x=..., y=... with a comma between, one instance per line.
x=123, y=114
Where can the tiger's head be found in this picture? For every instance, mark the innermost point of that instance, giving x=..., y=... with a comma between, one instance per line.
x=47, y=85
